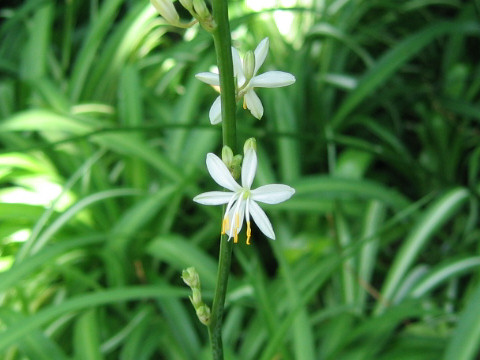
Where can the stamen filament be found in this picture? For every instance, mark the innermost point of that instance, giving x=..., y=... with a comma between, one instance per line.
x=235, y=229
x=224, y=225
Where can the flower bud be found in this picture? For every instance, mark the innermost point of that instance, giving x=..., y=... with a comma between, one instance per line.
x=187, y=4
x=249, y=64
x=201, y=9
x=196, y=297
x=191, y=278
x=236, y=166
x=166, y=10
x=250, y=144
x=227, y=156
x=203, y=313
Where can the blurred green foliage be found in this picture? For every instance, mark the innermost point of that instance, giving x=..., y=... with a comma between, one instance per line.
x=103, y=137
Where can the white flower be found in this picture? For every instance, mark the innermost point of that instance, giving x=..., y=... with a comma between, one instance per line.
x=241, y=200
x=246, y=80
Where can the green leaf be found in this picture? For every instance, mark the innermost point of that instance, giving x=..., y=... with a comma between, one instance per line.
x=87, y=337
x=21, y=328
x=465, y=341
x=35, y=344
x=438, y=213
x=394, y=59
x=181, y=254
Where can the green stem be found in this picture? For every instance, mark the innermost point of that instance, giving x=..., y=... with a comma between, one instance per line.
x=222, y=41
x=215, y=326
x=223, y=44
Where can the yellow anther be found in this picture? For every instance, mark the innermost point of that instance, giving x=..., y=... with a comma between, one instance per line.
x=235, y=228
x=249, y=232
x=244, y=104
x=224, y=225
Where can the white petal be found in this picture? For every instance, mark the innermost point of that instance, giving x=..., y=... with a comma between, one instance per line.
x=261, y=219
x=215, y=113
x=232, y=201
x=272, y=79
x=273, y=193
x=249, y=168
x=261, y=53
x=237, y=67
x=213, y=198
x=219, y=172
x=209, y=78
x=254, y=104
x=239, y=209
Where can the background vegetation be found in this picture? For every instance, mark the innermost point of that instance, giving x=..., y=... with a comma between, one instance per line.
x=103, y=136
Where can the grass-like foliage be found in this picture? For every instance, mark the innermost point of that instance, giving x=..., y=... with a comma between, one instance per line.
x=103, y=135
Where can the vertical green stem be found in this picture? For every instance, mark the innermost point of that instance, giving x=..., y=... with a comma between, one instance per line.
x=215, y=326
x=222, y=41
x=223, y=44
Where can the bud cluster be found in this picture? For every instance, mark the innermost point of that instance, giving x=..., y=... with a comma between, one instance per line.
x=197, y=8
x=191, y=278
x=233, y=163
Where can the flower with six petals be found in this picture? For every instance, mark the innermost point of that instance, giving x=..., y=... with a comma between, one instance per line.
x=247, y=79
x=242, y=200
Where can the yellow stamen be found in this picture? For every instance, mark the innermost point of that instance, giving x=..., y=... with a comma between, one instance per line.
x=249, y=232
x=224, y=225
x=235, y=228
x=244, y=104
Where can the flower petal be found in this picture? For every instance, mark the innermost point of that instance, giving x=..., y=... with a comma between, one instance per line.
x=254, y=104
x=273, y=193
x=232, y=202
x=219, y=172
x=272, y=79
x=249, y=168
x=237, y=67
x=215, y=113
x=209, y=78
x=261, y=219
x=213, y=198
x=238, y=208
x=261, y=53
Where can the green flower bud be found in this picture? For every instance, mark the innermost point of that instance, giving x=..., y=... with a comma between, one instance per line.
x=236, y=166
x=227, y=156
x=201, y=9
x=249, y=64
x=191, y=278
x=166, y=10
x=250, y=144
x=196, y=297
x=203, y=313
x=237, y=160
x=187, y=4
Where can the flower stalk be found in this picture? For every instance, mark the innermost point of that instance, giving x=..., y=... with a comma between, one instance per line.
x=222, y=42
